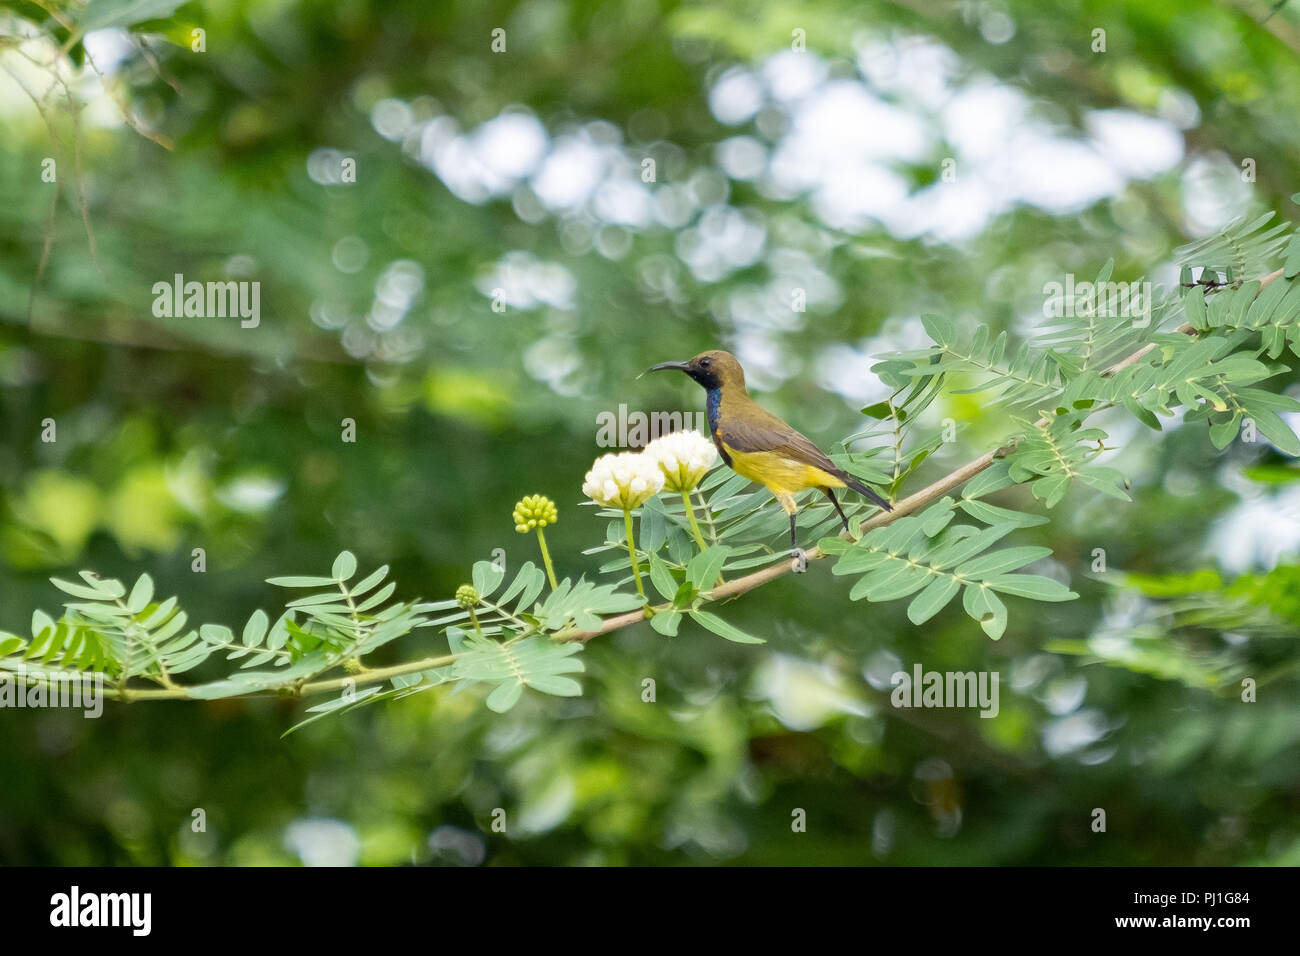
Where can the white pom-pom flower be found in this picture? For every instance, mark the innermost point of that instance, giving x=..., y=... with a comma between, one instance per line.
x=626, y=480
x=683, y=457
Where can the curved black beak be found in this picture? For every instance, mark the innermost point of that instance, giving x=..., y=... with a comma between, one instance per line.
x=680, y=366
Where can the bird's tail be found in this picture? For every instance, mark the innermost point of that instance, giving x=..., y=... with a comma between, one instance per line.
x=866, y=492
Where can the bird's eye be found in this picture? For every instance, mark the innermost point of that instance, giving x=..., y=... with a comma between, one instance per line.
x=705, y=363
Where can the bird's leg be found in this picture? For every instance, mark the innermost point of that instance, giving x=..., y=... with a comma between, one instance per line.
x=831, y=495
x=791, y=508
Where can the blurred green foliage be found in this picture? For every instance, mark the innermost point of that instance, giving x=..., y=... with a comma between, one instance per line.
x=181, y=434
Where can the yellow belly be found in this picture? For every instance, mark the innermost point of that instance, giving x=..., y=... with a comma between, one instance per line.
x=780, y=475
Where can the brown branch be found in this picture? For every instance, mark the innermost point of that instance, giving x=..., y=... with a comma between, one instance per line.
x=306, y=689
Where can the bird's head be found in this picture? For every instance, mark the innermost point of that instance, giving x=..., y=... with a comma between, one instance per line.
x=712, y=369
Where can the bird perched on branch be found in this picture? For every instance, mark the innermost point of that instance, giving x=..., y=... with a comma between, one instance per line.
x=757, y=444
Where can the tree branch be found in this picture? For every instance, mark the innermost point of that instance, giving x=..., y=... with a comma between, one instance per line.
x=723, y=592
x=304, y=690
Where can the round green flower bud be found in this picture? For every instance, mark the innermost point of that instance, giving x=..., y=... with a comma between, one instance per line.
x=467, y=597
x=534, y=511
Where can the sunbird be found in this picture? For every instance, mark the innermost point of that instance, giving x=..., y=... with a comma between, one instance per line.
x=755, y=443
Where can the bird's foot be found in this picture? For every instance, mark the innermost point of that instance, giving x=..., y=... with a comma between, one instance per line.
x=799, y=563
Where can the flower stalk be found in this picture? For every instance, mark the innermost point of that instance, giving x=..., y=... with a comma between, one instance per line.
x=533, y=513
x=631, y=553
x=546, y=559
x=690, y=516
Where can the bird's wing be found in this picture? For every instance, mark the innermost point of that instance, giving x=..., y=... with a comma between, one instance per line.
x=759, y=430
x=766, y=432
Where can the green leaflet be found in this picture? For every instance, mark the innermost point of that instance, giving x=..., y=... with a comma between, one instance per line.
x=487, y=577
x=933, y=599
x=986, y=607
x=667, y=622
x=723, y=629
x=1032, y=586
x=662, y=578
x=99, y=14
x=1005, y=559
x=345, y=565
x=527, y=585
x=703, y=569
